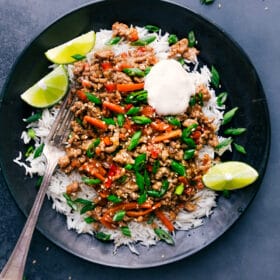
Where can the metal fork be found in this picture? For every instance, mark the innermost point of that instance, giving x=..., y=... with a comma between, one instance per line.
x=14, y=268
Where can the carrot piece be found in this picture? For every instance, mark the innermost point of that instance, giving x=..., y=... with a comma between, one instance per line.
x=143, y=213
x=164, y=219
x=81, y=95
x=107, y=141
x=148, y=111
x=95, y=122
x=133, y=35
x=113, y=107
x=161, y=125
x=110, y=87
x=167, y=136
x=129, y=87
x=105, y=223
x=96, y=174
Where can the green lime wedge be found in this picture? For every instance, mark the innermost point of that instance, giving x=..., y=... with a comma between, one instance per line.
x=229, y=176
x=66, y=52
x=49, y=90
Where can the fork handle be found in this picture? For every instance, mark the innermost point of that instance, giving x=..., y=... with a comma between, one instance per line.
x=14, y=268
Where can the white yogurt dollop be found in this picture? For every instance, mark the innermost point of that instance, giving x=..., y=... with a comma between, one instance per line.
x=169, y=87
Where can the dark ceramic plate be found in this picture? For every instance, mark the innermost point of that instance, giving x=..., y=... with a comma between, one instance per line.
x=238, y=78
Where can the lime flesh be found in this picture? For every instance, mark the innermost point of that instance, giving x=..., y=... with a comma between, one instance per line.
x=229, y=176
x=49, y=90
x=81, y=45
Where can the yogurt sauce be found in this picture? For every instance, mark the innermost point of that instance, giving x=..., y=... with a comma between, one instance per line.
x=169, y=87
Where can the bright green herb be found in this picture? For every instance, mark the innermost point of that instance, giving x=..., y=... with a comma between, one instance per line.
x=29, y=151
x=139, y=162
x=134, y=72
x=133, y=111
x=134, y=140
x=87, y=207
x=239, y=148
x=128, y=166
x=140, y=181
x=155, y=166
x=152, y=28
x=137, y=96
x=189, y=154
x=179, y=189
x=173, y=121
x=113, y=41
x=89, y=220
x=191, y=38
x=221, y=99
x=70, y=202
x=141, y=120
x=92, y=98
x=126, y=231
x=229, y=115
x=142, y=198
x=190, y=142
x=215, y=77
x=144, y=41
x=31, y=133
x=113, y=198
x=78, y=56
x=164, y=235
x=161, y=192
x=119, y=215
x=178, y=168
x=120, y=120
x=102, y=236
x=147, y=70
x=188, y=130
x=39, y=150
x=235, y=131
x=224, y=143
x=109, y=121
x=90, y=181
x=172, y=39
x=34, y=117
x=207, y=2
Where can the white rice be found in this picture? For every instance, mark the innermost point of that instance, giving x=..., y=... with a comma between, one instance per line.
x=141, y=233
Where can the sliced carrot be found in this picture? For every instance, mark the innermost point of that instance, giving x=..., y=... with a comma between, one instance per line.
x=129, y=87
x=161, y=125
x=133, y=35
x=167, y=136
x=110, y=87
x=148, y=111
x=81, y=95
x=97, y=175
x=143, y=213
x=107, y=141
x=95, y=122
x=164, y=219
x=113, y=107
x=105, y=223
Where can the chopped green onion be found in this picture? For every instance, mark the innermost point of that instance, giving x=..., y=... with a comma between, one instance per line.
x=122, y=179
x=141, y=120
x=173, y=121
x=134, y=72
x=224, y=143
x=178, y=168
x=128, y=166
x=102, y=236
x=139, y=162
x=137, y=96
x=235, y=131
x=179, y=189
x=215, y=77
x=155, y=166
x=190, y=142
x=39, y=182
x=229, y=115
x=164, y=235
x=134, y=140
x=126, y=231
x=79, y=121
x=191, y=38
x=83, y=201
x=109, y=121
x=161, y=192
x=90, y=181
x=188, y=130
x=89, y=220
x=239, y=148
x=142, y=198
x=147, y=179
x=119, y=215
x=133, y=111
x=34, y=117
x=78, y=56
x=120, y=120
x=189, y=154
x=113, y=41
x=192, y=101
x=147, y=70
x=87, y=207
x=29, y=151
x=140, y=181
x=31, y=133
x=70, y=202
x=221, y=98
x=144, y=41
x=38, y=152
x=152, y=28
x=181, y=60
x=207, y=2
x=172, y=39
x=113, y=198
x=92, y=98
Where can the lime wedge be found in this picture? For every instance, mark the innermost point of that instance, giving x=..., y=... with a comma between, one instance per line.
x=81, y=45
x=49, y=90
x=229, y=176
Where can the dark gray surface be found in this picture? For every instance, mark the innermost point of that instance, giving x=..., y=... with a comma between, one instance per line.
x=251, y=248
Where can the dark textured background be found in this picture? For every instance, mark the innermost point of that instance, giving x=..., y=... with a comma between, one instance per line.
x=251, y=248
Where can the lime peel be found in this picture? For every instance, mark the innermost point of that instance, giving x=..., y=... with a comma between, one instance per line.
x=229, y=176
